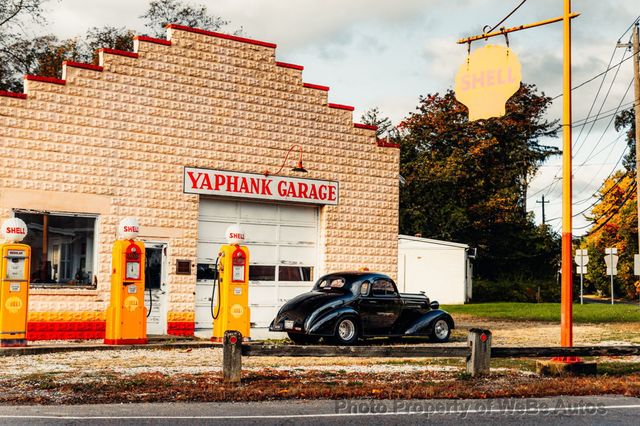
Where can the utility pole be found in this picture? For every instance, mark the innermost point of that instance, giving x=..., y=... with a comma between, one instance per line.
x=634, y=46
x=543, y=202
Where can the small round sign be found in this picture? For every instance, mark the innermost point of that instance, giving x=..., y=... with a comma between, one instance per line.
x=14, y=230
x=234, y=235
x=128, y=228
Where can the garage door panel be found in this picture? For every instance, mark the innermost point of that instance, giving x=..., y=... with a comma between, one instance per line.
x=208, y=251
x=262, y=295
x=296, y=255
x=260, y=233
x=212, y=231
x=302, y=214
x=263, y=254
x=298, y=234
x=219, y=209
x=259, y=212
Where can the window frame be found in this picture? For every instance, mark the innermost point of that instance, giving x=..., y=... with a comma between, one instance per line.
x=372, y=290
x=95, y=249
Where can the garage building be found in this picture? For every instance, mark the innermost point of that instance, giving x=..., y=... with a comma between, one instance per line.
x=187, y=135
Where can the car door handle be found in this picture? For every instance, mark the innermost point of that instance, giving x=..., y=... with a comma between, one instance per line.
x=373, y=302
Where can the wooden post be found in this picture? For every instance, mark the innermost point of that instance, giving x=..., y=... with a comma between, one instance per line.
x=480, y=343
x=232, y=356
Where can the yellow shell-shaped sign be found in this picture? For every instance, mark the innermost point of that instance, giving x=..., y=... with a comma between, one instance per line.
x=489, y=77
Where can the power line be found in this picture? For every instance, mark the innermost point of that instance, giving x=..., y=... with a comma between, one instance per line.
x=504, y=19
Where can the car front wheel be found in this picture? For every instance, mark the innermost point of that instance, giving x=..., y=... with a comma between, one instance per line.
x=346, y=332
x=441, y=331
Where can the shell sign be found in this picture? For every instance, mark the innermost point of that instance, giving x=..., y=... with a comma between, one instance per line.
x=489, y=77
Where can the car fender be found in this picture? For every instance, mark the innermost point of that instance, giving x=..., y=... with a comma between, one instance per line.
x=425, y=323
x=325, y=325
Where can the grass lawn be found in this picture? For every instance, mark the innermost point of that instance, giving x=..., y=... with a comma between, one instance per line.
x=591, y=313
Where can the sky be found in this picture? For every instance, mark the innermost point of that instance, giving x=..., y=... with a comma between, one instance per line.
x=386, y=54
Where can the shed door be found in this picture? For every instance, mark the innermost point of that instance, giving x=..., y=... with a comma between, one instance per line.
x=282, y=241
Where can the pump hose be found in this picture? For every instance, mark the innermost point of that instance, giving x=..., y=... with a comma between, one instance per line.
x=216, y=282
x=146, y=282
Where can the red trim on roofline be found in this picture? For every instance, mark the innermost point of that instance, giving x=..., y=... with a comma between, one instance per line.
x=153, y=40
x=339, y=106
x=220, y=35
x=83, y=65
x=118, y=52
x=292, y=66
x=42, y=79
x=384, y=144
x=315, y=86
x=13, y=94
x=365, y=126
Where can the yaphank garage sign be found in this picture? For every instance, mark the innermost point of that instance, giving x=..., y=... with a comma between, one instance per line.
x=257, y=186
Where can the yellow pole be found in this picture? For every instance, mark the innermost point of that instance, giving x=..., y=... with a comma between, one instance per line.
x=566, y=315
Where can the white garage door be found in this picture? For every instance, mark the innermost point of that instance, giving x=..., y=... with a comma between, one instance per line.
x=282, y=241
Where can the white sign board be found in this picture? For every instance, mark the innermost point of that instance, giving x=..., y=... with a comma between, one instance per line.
x=582, y=257
x=636, y=264
x=260, y=187
x=611, y=260
x=610, y=250
x=582, y=270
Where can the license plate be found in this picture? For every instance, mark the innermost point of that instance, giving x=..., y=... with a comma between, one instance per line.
x=288, y=324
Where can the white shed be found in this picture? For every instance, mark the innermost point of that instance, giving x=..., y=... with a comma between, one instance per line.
x=441, y=269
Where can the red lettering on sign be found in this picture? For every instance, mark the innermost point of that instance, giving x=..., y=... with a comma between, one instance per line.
x=313, y=193
x=220, y=180
x=282, y=191
x=232, y=184
x=266, y=189
x=15, y=230
x=255, y=186
x=131, y=229
x=332, y=193
x=201, y=181
x=303, y=188
x=323, y=192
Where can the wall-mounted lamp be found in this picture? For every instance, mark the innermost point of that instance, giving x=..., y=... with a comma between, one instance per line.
x=298, y=168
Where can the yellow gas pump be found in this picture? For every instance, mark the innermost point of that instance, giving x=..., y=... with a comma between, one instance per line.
x=232, y=304
x=126, y=314
x=14, y=284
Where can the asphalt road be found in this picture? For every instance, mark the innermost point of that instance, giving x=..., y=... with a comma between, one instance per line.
x=557, y=411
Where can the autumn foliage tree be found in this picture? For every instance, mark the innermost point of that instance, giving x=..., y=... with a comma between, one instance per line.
x=615, y=221
x=21, y=54
x=467, y=181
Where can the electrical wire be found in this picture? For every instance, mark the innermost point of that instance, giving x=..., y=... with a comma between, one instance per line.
x=631, y=192
x=504, y=19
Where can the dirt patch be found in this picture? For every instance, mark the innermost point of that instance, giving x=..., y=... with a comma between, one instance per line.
x=532, y=333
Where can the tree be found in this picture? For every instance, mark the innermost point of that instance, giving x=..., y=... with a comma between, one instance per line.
x=615, y=221
x=164, y=12
x=14, y=14
x=43, y=55
x=627, y=120
x=467, y=181
x=373, y=117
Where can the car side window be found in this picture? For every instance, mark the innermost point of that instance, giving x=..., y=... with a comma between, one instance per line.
x=382, y=287
x=364, y=288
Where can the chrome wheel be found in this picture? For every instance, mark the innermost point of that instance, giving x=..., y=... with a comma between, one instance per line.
x=441, y=330
x=346, y=330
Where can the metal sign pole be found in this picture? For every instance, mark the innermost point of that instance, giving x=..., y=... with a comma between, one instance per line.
x=612, y=270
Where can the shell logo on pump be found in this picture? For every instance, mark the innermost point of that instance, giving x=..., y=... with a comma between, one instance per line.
x=13, y=304
x=131, y=303
x=14, y=230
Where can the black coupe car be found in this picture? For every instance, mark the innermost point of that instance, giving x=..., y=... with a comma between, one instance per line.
x=344, y=307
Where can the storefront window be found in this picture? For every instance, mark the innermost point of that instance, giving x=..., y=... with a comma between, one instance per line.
x=62, y=248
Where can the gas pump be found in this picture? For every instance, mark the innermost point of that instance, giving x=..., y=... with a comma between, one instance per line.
x=232, y=304
x=14, y=284
x=126, y=314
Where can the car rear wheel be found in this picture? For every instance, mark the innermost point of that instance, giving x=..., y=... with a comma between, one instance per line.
x=346, y=332
x=441, y=331
x=303, y=339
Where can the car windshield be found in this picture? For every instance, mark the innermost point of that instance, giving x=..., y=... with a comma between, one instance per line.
x=333, y=283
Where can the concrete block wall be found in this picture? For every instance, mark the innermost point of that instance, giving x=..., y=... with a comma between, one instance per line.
x=113, y=139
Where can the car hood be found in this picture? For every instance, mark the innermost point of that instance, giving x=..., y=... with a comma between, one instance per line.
x=303, y=305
